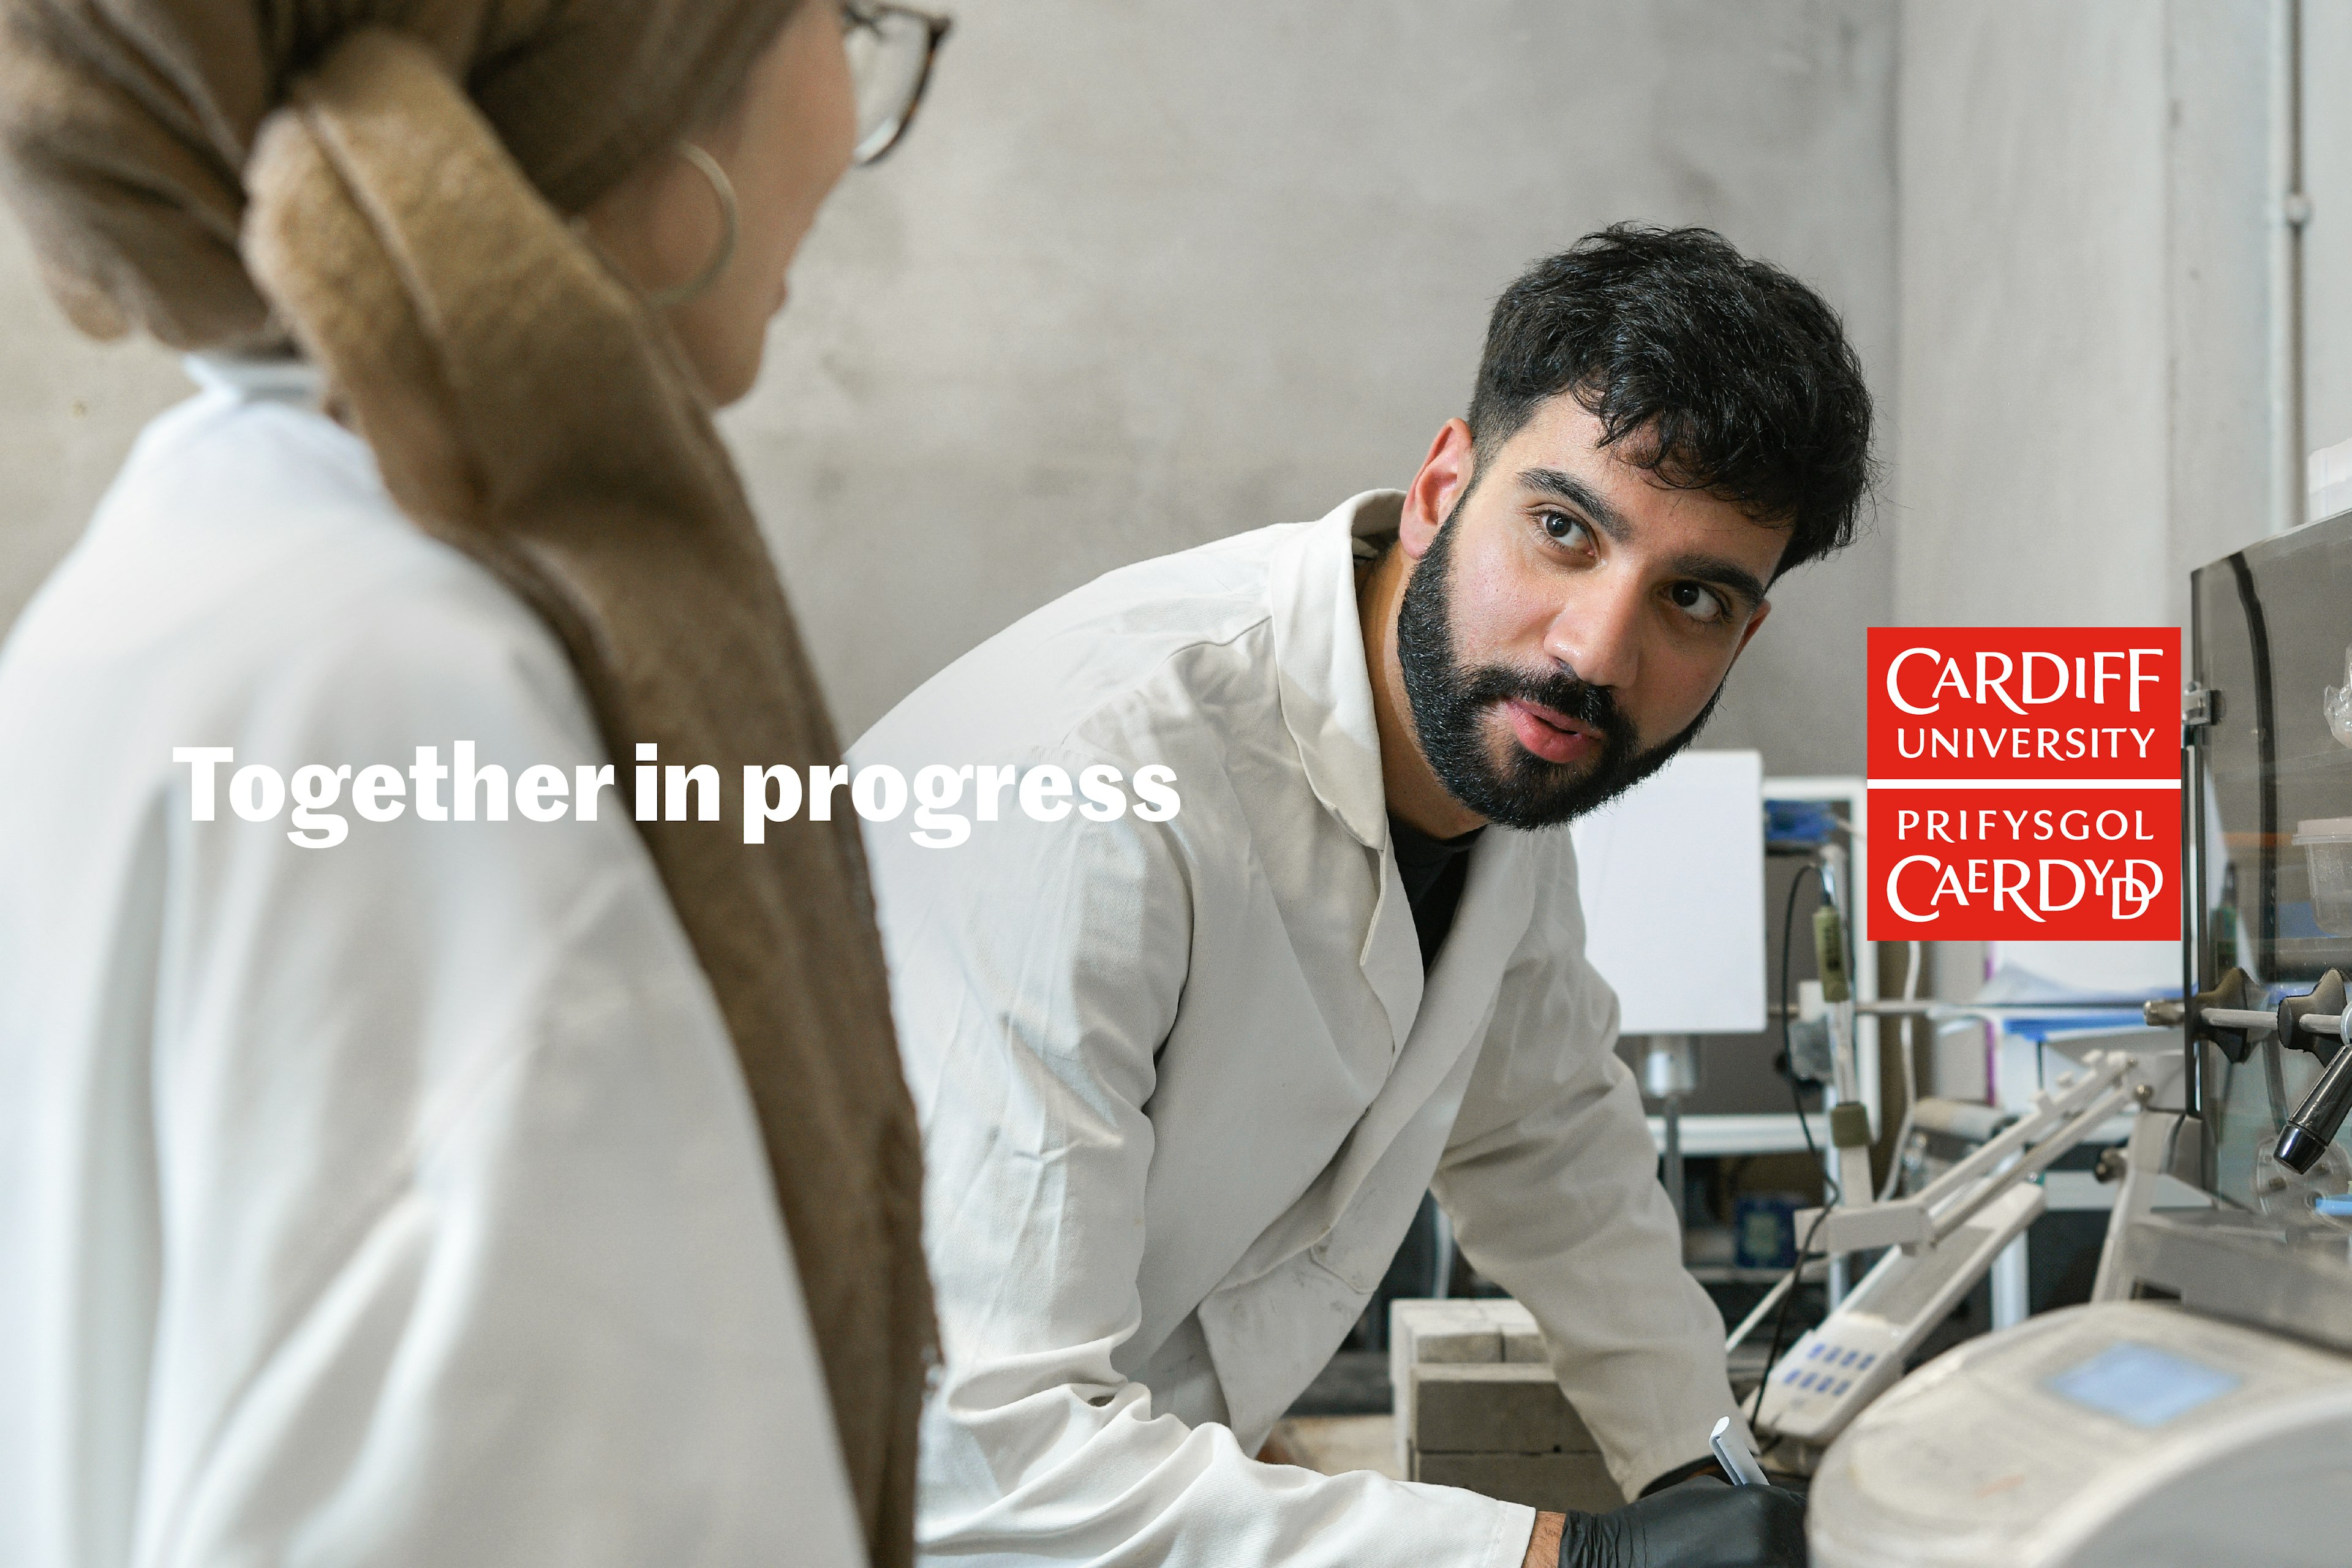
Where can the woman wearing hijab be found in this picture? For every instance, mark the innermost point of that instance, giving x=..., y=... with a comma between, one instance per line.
x=405, y=1178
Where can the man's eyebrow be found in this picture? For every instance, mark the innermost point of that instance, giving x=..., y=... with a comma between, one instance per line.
x=1581, y=496
x=1712, y=570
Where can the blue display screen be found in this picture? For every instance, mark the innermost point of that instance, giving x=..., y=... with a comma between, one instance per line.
x=2141, y=1384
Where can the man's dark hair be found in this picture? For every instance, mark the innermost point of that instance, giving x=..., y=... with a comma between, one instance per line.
x=1728, y=375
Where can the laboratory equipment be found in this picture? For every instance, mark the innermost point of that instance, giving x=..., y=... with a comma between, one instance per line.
x=2059, y=1118
x=2270, y=788
x=1946, y=1236
x=2213, y=1424
x=1764, y=1230
x=2318, y=1021
x=1670, y=1069
x=2113, y=1435
x=1832, y=1372
x=1647, y=883
x=1670, y=877
x=2327, y=845
x=1849, y=1124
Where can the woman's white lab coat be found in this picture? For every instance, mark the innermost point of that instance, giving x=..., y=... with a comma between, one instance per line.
x=397, y=1202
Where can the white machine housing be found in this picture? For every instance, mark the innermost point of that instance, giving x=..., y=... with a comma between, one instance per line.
x=1835, y=1370
x=2111, y=1435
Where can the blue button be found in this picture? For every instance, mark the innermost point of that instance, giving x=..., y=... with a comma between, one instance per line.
x=1866, y=1360
x=1844, y=1384
x=1849, y=1358
x=1790, y=1376
x=1815, y=1350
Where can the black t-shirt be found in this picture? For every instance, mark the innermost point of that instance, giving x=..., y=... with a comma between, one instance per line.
x=1432, y=871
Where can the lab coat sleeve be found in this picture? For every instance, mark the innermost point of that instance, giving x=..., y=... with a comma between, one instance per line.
x=1038, y=969
x=1550, y=1179
x=473, y=1253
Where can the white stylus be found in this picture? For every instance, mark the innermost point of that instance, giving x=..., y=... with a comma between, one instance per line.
x=1732, y=1452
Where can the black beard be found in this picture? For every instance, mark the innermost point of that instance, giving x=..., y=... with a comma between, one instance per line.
x=1450, y=704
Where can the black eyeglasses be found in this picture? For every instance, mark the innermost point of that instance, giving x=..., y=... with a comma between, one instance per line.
x=891, y=48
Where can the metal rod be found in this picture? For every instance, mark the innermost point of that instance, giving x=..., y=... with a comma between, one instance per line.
x=2061, y=1139
x=2049, y=1112
x=2253, y=1022
x=1677, y=1193
x=2289, y=209
x=1895, y=1009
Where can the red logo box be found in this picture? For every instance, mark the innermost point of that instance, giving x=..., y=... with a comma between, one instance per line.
x=2024, y=784
x=2025, y=865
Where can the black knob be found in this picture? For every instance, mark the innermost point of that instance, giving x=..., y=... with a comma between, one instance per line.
x=2326, y=998
x=2233, y=990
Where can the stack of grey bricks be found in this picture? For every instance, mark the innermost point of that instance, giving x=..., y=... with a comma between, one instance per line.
x=1477, y=1407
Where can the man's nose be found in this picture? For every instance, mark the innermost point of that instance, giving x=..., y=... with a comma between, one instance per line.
x=1597, y=631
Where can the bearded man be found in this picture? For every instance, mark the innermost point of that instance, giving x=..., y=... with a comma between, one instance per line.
x=1183, y=1081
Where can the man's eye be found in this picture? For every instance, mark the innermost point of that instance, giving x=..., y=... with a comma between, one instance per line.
x=1562, y=528
x=1698, y=601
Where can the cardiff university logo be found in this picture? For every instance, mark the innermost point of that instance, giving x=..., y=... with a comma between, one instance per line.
x=2026, y=784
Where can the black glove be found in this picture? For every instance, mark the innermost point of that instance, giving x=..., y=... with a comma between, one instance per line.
x=1702, y=1523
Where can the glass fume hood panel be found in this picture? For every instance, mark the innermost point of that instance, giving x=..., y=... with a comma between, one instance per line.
x=2270, y=780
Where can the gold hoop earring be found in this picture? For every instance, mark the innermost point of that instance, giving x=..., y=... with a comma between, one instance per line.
x=730, y=230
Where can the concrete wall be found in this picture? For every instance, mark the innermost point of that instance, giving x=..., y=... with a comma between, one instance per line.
x=1149, y=275
x=1146, y=274
x=2086, y=206
x=2327, y=238
x=2084, y=293
x=2046, y=309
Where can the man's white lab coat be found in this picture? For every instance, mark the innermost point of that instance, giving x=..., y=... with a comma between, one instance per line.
x=395, y=1203
x=1183, y=1084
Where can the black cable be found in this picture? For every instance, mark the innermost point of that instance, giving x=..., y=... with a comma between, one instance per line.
x=1781, y=1318
x=1788, y=1057
x=1831, y=1192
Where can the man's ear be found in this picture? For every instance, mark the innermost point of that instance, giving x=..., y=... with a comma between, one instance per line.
x=1438, y=488
x=1755, y=625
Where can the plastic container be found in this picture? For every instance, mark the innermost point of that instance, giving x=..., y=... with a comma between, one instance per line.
x=2326, y=844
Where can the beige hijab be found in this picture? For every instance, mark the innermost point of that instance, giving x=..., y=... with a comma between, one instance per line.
x=384, y=181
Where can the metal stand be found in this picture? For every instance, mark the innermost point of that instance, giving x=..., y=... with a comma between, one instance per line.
x=2084, y=1099
x=1669, y=1071
x=2145, y=1157
x=2008, y=1286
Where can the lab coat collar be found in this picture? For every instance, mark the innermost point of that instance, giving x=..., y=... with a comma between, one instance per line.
x=1319, y=644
